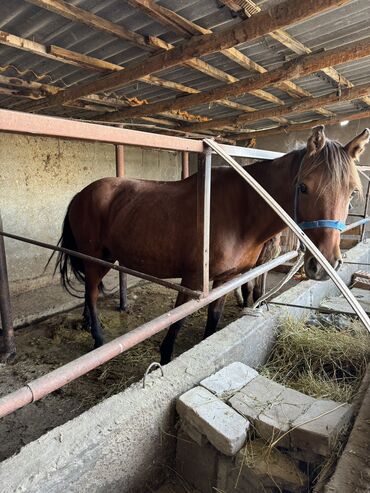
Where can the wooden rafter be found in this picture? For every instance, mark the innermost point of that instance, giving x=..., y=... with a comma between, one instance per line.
x=296, y=127
x=348, y=94
x=301, y=67
x=250, y=8
x=79, y=60
x=291, y=11
x=154, y=44
x=188, y=28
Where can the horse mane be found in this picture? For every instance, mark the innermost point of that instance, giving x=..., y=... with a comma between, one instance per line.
x=338, y=170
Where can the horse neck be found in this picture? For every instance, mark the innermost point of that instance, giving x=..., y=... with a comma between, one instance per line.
x=278, y=179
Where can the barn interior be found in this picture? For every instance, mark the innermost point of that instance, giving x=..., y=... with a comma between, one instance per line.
x=252, y=75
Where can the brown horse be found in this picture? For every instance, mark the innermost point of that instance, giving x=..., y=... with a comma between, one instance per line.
x=151, y=226
x=254, y=288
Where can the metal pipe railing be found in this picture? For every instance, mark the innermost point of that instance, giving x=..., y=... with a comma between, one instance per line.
x=52, y=381
x=104, y=263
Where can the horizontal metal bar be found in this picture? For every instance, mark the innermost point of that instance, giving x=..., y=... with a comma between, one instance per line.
x=348, y=227
x=297, y=230
x=355, y=263
x=327, y=311
x=51, y=126
x=120, y=268
x=52, y=381
x=250, y=152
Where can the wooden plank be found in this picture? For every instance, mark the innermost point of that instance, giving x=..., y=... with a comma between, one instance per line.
x=289, y=12
x=305, y=65
x=298, y=106
x=76, y=14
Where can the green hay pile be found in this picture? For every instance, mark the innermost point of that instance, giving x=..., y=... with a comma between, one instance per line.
x=321, y=361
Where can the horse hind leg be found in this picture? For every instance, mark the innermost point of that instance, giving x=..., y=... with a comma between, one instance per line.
x=93, y=277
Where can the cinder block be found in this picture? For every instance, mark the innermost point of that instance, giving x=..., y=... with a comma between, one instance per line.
x=269, y=468
x=317, y=428
x=193, y=433
x=256, y=396
x=222, y=426
x=229, y=380
x=276, y=419
x=196, y=464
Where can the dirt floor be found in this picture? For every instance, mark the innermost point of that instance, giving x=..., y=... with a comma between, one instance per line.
x=51, y=343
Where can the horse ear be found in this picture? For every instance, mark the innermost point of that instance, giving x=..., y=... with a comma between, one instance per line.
x=316, y=141
x=357, y=146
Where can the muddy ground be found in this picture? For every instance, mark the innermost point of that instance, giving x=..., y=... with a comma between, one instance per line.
x=47, y=345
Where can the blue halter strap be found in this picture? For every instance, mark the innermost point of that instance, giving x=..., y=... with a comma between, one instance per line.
x=320, y=223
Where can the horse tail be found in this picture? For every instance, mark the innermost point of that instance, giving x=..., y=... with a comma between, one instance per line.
x=68, y=264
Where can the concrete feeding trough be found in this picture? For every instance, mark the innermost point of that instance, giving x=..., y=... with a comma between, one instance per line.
x=128, y=441
x=220, y=421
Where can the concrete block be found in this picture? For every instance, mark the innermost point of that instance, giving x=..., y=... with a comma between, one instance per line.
x=277, y=418
x=270, y=468
x=317, y=428
x=193, y=433
x=196, y=464
x=255, y=397
x=229, y=380
x=223, y=426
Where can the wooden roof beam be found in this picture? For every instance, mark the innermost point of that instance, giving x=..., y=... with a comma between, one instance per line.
x=188, y=28
x=307, y=104
x=301, y=67
x=292, y=43
x=77, y=14
x=296, y=127
x=289, y=12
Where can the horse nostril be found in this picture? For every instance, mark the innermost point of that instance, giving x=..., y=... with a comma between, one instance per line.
x=338, y=264
x=312, y=265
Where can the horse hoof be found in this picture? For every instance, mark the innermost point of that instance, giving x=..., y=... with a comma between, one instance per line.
x=7, y=357
x=98, y=344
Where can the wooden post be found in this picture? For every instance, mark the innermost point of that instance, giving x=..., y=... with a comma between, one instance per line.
x=203, y=218
x=120, y=172
x=185, y=165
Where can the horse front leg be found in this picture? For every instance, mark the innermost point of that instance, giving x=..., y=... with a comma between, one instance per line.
x=168, y=342
x=215, y=310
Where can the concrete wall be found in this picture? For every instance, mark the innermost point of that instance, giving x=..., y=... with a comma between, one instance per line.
x=38, y=178
x=127, y=442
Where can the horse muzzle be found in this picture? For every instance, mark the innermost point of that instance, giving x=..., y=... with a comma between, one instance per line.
x=315, y=271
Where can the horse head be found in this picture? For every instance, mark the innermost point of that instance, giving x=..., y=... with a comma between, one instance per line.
x=326, y=181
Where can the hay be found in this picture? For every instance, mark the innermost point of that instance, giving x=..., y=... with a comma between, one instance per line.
x=319, y=360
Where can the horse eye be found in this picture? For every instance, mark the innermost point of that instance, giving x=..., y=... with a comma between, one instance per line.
x=303, y=188
x=354, y=193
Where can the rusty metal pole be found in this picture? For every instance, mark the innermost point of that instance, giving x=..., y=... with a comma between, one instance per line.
x=120, y=172
x=9, y=349
x=185, y=165
x=44, y=385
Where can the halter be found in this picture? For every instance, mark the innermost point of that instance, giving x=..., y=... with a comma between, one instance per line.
x=320, y=223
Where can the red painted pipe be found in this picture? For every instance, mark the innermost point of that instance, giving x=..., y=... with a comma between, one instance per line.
x=52, y=381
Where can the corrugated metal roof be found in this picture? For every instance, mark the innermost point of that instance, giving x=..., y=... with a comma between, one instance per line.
x=329, y=30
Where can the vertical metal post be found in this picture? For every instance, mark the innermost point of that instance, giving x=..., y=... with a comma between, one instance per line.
x=120, y=172
x=203, y=218
x=9, y=349
x=366, y=208
x=185, y=165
